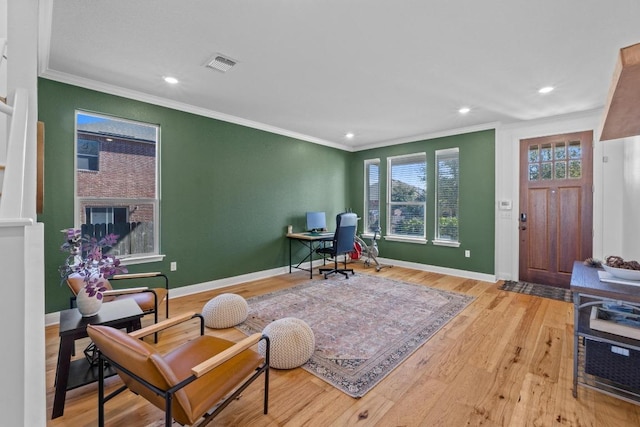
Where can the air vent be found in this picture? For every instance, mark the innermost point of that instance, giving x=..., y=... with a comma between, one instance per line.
x=221, y=63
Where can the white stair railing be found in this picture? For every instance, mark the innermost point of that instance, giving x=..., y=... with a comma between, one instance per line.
x=12, y=199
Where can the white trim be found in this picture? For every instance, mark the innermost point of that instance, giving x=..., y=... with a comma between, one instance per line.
x=16, y=222
x=141, y=259
x=427, y=136
x=420, y=241
x=180, y=106
x=54, y=318
x=449, y=243
x=491, y=278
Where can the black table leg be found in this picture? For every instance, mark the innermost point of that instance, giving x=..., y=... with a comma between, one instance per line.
x=62, y=375
x=310, y=260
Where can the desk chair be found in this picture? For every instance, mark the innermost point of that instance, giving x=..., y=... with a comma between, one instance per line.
x=343, y=240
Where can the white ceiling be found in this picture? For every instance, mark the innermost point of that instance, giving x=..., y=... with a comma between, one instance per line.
x=387, y=71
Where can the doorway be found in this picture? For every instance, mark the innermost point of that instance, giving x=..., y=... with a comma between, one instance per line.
x=556, y=213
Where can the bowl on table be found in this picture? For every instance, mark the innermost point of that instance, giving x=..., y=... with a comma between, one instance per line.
x=622, y=273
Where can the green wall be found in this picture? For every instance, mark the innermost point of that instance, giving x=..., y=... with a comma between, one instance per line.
x=477, y=201
x=227, y=191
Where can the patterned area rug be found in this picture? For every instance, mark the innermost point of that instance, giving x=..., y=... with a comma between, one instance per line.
x=364, y=327
x=544, y=291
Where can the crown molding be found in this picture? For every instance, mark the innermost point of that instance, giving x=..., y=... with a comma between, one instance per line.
x=180, y=106
x=432, y=135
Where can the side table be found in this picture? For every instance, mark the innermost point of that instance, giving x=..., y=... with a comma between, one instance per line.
x=69, y=375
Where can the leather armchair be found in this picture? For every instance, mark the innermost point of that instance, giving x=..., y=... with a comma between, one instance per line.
x=187, y=381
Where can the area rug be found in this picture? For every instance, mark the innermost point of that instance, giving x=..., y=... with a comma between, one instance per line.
x=364, y=326
x=544, y=291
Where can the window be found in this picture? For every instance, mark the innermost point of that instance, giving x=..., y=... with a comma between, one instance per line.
x=447, y=167
x=88, y=154
x=371, y=195
x=407, y=188
x=116, y=182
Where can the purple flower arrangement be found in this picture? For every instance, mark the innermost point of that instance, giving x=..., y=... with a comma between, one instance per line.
x=88, y=259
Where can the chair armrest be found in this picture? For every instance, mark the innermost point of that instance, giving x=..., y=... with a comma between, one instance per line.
x=110, y=292
x=225, y=355
x=135, y=275
x=157, y=327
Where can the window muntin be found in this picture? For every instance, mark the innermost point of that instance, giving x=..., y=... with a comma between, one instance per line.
x=556, y=160
x=371, y=195
x=447, y=194
x=118, y=192
x=407, y=189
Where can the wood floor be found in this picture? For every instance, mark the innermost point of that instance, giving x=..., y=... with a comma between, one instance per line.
x=506, y=360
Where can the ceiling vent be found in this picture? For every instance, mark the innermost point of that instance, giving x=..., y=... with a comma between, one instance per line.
x=221, y=63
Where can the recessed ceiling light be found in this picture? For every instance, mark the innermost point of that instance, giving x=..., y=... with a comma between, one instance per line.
x=349, y=135
x=464, y=110
x=170, y=80
x=546, y=89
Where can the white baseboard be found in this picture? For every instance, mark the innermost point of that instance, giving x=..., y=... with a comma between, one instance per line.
x=441, y=270
x=54, y=318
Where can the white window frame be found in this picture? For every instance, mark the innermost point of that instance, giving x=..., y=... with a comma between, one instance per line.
x=418, y=157
x=439, y=240
x=133, y=258
x=367, y=193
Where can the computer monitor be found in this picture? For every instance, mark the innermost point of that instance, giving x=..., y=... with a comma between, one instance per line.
x=316, y=221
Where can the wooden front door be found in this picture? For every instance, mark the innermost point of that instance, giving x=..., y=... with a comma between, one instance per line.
x=556, y=212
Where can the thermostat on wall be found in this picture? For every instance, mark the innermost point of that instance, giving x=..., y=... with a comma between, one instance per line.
x=504, y=205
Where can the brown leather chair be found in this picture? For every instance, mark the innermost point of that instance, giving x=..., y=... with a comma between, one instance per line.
x=185, y=382
x=147, y=299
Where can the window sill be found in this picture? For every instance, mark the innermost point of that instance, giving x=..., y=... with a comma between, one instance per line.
x=447, y=243
x=141, y=259
x=418, y=240
x=369, y=236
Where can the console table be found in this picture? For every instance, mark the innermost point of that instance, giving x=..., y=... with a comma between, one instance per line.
x=123, y=314
x=593, y=348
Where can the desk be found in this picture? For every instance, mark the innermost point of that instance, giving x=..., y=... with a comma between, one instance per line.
x=70, y=375
x=309, y=240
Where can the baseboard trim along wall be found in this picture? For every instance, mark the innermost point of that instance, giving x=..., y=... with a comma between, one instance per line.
x=54, y=318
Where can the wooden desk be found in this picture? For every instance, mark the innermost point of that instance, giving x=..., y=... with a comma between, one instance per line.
x=69, y=375
x=309, y=240
x=589, y=291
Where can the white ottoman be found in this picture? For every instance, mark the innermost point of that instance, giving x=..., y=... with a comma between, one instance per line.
x=225, y=311
x=292, y=343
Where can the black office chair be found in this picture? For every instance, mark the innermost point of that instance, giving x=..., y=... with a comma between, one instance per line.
x=343, y=240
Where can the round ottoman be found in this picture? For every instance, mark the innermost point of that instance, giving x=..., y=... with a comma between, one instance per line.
x=225, y=311
x=292, y=343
